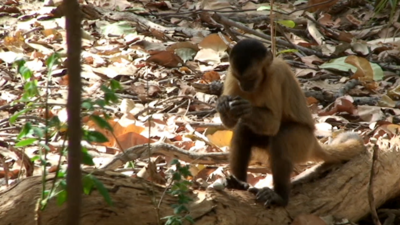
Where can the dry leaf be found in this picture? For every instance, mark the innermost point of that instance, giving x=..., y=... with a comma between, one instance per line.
x=319, y=6
x=370, y=113
x=364, y=70
x=342, y=104
x=311, y=101
x=185, y=44
x=221, y=138
x=312, y=60
x=131, y=139
x=211, y=76
x=214, y=42
x=386, y=101
x=165, y=58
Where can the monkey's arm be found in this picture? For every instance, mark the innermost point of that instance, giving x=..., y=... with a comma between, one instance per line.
x=261, y=120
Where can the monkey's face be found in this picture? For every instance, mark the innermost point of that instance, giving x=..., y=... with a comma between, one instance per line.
x=250, y=77
x=248, y=64
x=249, y=82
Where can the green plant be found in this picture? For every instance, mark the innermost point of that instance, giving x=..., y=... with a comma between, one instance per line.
x=180, y=188
x=383, y=4
x=35, y=133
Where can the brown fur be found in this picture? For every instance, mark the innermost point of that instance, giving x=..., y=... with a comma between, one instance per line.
x=280, y=121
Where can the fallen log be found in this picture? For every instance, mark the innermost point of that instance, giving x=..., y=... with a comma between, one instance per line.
x=341, y=193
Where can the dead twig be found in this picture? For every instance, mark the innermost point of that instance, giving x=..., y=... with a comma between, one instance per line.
x=146, y=150
x=225, y=21
x=371, y=199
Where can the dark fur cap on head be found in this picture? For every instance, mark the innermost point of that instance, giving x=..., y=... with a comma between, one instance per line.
x=246, y=52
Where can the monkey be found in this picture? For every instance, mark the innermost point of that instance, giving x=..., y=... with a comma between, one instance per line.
x=263, y=104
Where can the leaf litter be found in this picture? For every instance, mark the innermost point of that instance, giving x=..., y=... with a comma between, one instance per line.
x=171, y=59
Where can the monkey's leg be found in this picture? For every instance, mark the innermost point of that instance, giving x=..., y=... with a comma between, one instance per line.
x=240, y=153
x=281, y=167
x=292, y=144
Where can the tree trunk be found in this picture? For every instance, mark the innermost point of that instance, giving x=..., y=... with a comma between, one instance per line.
x=341, y=193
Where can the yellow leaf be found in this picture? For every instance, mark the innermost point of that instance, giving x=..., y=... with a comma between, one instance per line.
x=221, y=138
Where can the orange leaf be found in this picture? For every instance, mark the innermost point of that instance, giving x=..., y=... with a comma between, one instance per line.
x=211, y=76
x=364, y=70
x=214, y=42
x=165, y=58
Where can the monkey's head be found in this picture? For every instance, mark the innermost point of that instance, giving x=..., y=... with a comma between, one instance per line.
x=248, y=60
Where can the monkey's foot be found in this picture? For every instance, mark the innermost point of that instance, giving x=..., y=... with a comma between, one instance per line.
x=268, y=197
x=233, y=183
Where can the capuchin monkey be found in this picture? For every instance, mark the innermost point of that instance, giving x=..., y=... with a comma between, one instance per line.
x=263, y=103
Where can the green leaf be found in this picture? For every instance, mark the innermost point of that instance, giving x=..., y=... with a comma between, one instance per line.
x=110, y=98
x=287, y=23
x=102, y=123
x=176, y=176
x=25, y=72
x=378, y=72
x=184, y=199
x=88, y=184
x=14, y=117
x=87, y=159
x=55, y=122
x=339, y=64
x=180, y=209
x=26, y=142
x=185, y=172
x=106, y=116
x=103, y=191
x=100, y=102
x=87, y=104
x=46, y=193
x=34, y=158
x=44, y=146
x=63, y=184
x=26, y=130
x=288, y=51
x=52, y=60
x=19, y=63
x=94, y=136
x=38, y=131
x=109, y=95
x=61, y=174
x=174, y=161
x=61, y=197
x=30, y=90
x=115, y=85
x=189, y=218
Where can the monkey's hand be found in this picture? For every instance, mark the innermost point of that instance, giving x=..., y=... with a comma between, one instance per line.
x=268, y=197
x=223, y=104
x=260, y=120
x=240, y=107
x=225, y=111
x=233, y=183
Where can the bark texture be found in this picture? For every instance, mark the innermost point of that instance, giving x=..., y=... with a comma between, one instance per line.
x=341, y=193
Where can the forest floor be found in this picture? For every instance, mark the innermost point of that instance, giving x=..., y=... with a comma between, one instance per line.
x=171, y=59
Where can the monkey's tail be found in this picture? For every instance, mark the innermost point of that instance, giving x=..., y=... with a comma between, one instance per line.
x=344, y=147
